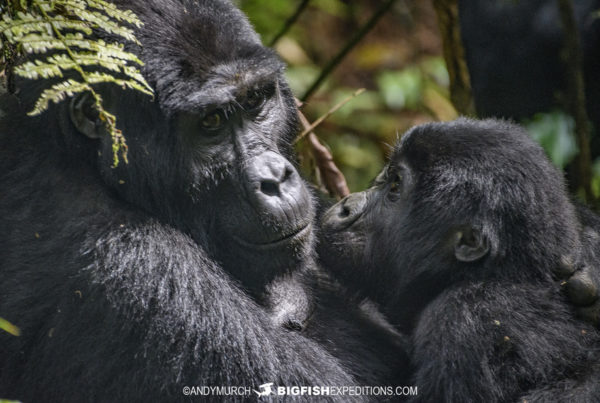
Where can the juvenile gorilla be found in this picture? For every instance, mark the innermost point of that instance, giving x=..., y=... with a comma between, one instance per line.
x=186, y=265
x=457, y=241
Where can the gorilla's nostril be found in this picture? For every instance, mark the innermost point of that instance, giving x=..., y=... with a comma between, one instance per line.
x=270, y=188
x=344, y=212
x=287, y=174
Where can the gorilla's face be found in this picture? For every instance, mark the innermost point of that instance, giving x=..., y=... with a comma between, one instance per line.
x=464, y=200
x=361, y=236
x=212, y=154
x=239, y=148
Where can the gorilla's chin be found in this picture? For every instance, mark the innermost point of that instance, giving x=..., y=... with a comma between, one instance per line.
x=258, y=264
x=296, y=235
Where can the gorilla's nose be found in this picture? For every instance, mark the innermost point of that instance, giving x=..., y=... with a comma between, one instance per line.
x=275, y=185
x=346, y=211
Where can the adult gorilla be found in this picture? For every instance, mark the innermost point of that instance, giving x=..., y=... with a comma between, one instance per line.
x=458, y=241
x=180, y=267
x=516, y=69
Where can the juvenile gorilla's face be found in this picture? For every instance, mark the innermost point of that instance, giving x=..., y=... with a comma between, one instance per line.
x=360, y=234
x=464, y=200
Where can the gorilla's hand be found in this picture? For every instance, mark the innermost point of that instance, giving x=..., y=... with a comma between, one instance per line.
x=582, y=290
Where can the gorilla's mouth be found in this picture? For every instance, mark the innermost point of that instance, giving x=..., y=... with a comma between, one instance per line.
x=297, y=234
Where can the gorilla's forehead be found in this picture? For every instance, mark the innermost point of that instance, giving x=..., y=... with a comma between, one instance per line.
x=187, y=51
x=226, y=83
x=478, y=143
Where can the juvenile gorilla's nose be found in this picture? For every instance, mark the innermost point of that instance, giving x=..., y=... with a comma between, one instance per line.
x=346, y=211
x=275, y=185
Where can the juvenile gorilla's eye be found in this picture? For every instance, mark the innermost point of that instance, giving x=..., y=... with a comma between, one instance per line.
x=213, y=120
x=396, y=183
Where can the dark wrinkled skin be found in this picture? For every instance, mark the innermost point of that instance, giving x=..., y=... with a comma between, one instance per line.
x=459, y=241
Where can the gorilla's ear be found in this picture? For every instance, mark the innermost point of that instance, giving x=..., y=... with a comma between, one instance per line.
x=85, y=117
x=470, y=244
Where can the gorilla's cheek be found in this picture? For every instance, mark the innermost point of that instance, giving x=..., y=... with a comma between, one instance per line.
x=261, y=230
x=344, y=251
x=345, y=231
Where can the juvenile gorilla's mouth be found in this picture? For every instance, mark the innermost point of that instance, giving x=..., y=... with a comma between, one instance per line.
x=294, y=235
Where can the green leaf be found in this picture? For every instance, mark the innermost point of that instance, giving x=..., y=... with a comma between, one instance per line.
x=112, y=11
x=100, y=20
x=401, y=89
x=64, y=28
x=555, y=133
x=57, y=93
x=96, y=78
x=9, y=327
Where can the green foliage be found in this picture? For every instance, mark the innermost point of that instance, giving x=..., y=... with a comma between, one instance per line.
x=555, y=133
x=405, y=85
x=9, y=327
x=401, y=89
x=596, y=178
x=268, y=16
x=360, y=158
x=59, y=32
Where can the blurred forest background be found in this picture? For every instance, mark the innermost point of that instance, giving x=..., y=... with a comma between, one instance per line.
x=533, y=61
x=401, y=65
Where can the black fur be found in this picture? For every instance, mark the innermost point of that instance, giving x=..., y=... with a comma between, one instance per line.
x=513, y=51
x=189, y=264
x=458, y=241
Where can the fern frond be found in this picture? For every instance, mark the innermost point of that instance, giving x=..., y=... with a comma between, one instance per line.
x=54, y=65
x=101, y=20
x=15, y=30
x=57, y=93
x=38, y=69
x=97, y=78
x=114, y=50
x=64, y=27
x=112, y=11
x=35, y=43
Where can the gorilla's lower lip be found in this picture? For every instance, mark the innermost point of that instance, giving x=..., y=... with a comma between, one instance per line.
x=297, y=233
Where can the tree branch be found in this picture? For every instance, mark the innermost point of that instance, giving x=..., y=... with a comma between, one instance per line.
x=576, y=98
x=329, y=113
x=454, y=55
x=333, y=178
x=290, y=21
x=337, y=59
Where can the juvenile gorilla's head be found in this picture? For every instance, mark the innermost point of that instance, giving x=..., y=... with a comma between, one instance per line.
x=212, y=154
x=465, y=200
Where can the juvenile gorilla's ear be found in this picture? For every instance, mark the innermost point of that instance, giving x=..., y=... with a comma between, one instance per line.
x=85, y=117
x=470, y=244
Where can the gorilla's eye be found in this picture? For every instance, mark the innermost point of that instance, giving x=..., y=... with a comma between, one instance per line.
x=396, y=184
x=213, y=120
x=254, y=100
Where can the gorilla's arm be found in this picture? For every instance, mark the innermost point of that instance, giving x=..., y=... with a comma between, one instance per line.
x=221, y=335
x=582, y=287
x=357, y=334
x=503, y=329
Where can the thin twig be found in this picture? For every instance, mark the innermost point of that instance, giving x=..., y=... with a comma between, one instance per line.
x=334, y=179
x=329, y=113
x=576, y=97
x=337, y=59
x=290, y=21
